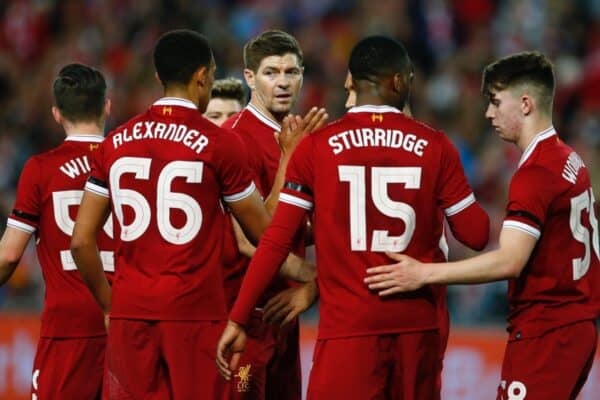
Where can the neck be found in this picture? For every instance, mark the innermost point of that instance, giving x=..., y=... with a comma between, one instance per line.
x=84, y=128
x=531, y=127
x=180, y=92
x=258, y=103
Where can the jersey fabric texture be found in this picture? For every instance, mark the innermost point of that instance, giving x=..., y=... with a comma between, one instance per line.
x=375, y=181
x=166, y=172
x=551, y=198
x=48, y=195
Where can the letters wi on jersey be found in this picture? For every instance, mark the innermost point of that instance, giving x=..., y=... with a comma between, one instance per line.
x=48, y=195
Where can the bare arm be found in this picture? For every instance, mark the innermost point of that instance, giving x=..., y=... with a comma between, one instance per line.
x=93, y=211
x=408, y=274
x=12, y=247
x=252, y=216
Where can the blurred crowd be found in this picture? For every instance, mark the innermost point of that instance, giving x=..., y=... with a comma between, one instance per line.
x=450, y=42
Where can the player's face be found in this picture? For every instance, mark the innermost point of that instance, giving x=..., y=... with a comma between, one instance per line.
x=504, y=113
x=351, y=93
x=277, y=82
x=218, y=109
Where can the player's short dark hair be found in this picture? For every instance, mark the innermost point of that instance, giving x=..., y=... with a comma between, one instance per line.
x=230, y=89
x=79, y=93
x=378, y=56
x=270, y=43
x=529, y=68
x=178, y=54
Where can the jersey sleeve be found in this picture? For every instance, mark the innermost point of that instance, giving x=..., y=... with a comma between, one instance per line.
x=97, y=182
x=231, y=160
x=25, y=215
x=455, y=194
x=530, y=195
x=299, y=179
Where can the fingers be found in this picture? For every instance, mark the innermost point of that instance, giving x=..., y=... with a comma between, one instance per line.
x=396, y=256
x=235, y=359
x=315, y=119
x=222, y=364
x=380, y=269
x=273, y=308
x=390, y=291
x=384, y=284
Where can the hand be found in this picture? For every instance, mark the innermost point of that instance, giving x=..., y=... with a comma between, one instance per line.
x=294, y=128
x=231, y=343
x=406, y=275
x=287, y=305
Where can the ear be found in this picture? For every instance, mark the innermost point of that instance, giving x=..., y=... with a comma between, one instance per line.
x=57, y=115
x=107, y=105
x=527, y=104
x=157, y=78
x=250, y=77
x=400, y=82
x=200, y=76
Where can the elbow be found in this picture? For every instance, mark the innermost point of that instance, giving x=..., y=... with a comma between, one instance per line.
x=513, y=268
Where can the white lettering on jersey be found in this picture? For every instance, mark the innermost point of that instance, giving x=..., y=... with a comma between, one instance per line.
x=377, y=137
x=572, y=167
x=158, y=130
x=75, y=167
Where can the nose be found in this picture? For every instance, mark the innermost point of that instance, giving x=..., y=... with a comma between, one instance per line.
x=489, y=113
x=283, y=80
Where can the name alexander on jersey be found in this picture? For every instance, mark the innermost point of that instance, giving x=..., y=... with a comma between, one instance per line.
x=377, y=137
x=178, y=133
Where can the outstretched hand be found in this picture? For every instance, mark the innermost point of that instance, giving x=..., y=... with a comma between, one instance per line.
x=294, y=128
x=231, y=344
x=404, y=276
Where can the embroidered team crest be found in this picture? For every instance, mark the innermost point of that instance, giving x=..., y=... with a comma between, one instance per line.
x=244, y=376
x=167, y=110
x=94, y=146
x=377, y=118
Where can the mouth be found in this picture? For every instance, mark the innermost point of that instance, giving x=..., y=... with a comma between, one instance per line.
x=283, y=97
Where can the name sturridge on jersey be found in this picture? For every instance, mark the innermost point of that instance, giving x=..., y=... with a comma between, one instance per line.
x=377, y=137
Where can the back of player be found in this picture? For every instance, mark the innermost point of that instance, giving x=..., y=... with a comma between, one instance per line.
x=165, y=172
x=375, y=181
x=379, y=180
x=70, y=357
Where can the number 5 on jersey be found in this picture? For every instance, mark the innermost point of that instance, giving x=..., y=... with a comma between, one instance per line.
x=62, y=201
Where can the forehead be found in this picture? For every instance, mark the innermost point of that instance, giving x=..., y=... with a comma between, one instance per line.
x=288, y=60
x=220, y=104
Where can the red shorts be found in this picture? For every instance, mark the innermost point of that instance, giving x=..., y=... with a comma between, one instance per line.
x=552, y=366
x=68, y=368
x=249, y=380
x=395, y=366
x=164, y=360
x=284, y=374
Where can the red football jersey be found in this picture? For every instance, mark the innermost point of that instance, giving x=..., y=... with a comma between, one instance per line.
x=551, y=199
x=166, y=171
x=48, y=195
x=256, y=130
x=375, y=181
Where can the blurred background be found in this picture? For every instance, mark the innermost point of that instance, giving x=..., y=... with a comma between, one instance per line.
x=450, y=42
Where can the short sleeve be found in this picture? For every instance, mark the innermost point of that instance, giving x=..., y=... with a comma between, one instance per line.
x=455, y=194
x=97, y=182
x=299, y=181
x=25, y=215
x=530, y=195
x=231, y=160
